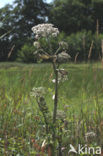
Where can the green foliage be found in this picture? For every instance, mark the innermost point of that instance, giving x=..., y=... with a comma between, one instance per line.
x=26, y=53
x=81, y=42
x=72, y=16
x=19, y=19
x=5, y=31
x=51, y=45
x=78, y=43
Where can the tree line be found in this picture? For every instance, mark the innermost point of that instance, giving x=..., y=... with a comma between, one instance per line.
x=80, y=23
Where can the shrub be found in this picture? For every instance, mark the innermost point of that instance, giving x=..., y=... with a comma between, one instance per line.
x=26, y=53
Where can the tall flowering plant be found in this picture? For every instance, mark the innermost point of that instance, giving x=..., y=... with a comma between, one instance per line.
x=46, y=32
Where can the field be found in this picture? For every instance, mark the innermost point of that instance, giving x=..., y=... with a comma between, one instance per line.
x=80, y=99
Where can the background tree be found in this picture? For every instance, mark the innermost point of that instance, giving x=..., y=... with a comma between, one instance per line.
x=76, y=15
x=70, y=16
x=20, y=19
x=5, y=30
x=98, y=14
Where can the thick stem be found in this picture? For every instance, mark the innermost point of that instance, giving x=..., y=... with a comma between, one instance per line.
x=55, y=100
x=55, y=107
x=56, y=94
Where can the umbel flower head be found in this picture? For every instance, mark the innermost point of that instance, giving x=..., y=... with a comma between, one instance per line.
x=45, y=30
x=63, y=57
x=62, y=76
x=38, y=92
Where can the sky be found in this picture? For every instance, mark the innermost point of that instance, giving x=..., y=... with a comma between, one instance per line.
x=4, y=2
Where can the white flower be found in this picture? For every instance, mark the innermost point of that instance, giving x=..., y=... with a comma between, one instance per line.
x=54, y=34
x=53, y=80
x=36, y=44
x=89, y=135
x=62, y=75
x=38, y=92
x=37, y=37
x=45, y=30
x=53, y=97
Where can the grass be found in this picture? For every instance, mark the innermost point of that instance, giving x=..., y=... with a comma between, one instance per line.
x=21, y=123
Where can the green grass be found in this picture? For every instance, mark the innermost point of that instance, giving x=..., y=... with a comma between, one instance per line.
x=80, y=97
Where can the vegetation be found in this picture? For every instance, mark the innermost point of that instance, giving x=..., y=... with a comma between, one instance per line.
x=25, y=54
x=85, y=45
x=80, y=107
x=70, y=16
x=46, y=108
x=19, y=18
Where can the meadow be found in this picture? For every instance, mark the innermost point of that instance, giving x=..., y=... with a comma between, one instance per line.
x=80, y=100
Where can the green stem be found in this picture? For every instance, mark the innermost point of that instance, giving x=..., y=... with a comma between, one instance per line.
x=56, y=94
x=55, y=105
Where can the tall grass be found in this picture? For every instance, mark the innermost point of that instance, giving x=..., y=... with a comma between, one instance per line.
x=80, y=98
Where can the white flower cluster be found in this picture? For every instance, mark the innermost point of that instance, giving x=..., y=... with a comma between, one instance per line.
x=89, y=134
x=63, y=57
x=45, y=30
x=38, y=92
x=62, y=76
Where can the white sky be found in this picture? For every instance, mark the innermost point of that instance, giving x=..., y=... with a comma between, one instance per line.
x=4, y=2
